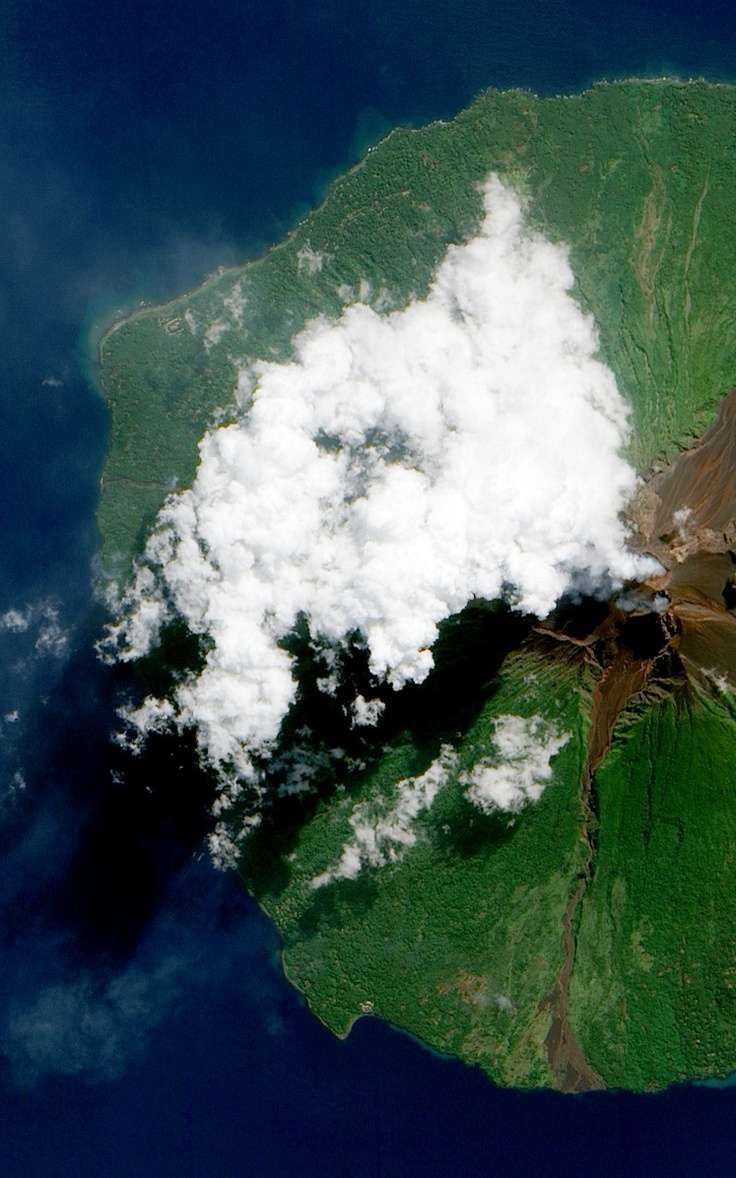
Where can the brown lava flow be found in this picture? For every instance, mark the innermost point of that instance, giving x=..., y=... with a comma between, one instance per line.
x=678, y=627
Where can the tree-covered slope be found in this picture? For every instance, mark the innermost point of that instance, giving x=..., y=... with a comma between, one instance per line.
x=588, y=939
x=459, y=940
x=654, y=986
x=636, y=177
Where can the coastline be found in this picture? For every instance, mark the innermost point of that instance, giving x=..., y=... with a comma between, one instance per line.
x=123, y=316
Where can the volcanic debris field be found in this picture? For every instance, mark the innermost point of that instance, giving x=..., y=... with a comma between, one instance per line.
x=588, y=940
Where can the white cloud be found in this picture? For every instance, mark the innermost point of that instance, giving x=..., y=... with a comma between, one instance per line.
x=235, y=304
x=366, y=712
x=301, y=767
x=520, y=768
x=139, y=629
x=642, y=601
x=400, y=465
x=153, y=715
x=70, y=1029
x=380, y=838
x=51, y=638
x=502, y=1002
x=310, y=260
x=718, y=679
x=214, y=333
x=16, y=621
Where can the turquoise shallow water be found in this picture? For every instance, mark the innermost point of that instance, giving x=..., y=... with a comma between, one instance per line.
x=144, y=1024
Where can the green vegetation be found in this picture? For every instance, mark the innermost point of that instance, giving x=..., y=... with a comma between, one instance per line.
x=637, y=177
x=460, y=941
x=653, y=992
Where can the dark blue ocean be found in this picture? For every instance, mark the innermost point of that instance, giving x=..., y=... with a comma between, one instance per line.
x=145, y=1028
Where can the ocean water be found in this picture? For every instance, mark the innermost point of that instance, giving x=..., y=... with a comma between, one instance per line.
x=145, y=1028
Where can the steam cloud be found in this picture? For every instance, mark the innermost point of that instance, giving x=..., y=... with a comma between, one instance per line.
x=401, y=464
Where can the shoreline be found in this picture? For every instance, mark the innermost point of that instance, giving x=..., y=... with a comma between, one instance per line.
x=608, y=1092
x=124, y=317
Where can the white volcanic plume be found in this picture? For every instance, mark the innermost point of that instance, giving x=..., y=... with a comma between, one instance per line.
x=400, y=465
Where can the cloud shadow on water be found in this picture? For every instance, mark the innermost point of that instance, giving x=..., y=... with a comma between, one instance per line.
x=113, y=919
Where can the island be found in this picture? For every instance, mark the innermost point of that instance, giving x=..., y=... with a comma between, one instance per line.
x=585, y=936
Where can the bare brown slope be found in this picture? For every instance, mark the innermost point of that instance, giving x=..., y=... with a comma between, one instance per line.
x=678, y=627
x=686, y=517
x=702, y=482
